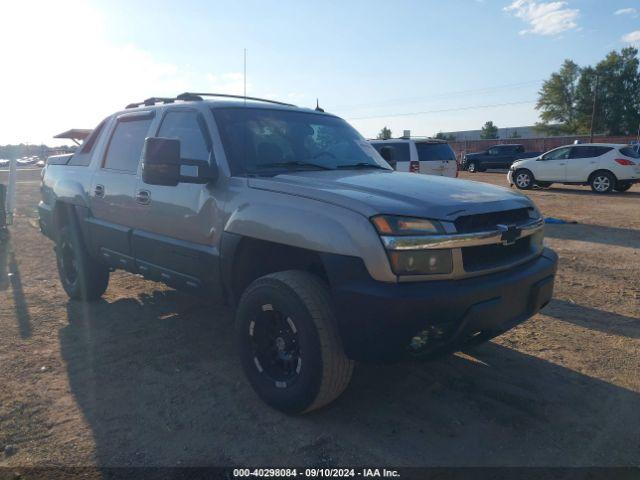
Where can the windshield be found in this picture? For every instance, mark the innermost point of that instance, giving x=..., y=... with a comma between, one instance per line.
x=428, y=152
x=266, y=142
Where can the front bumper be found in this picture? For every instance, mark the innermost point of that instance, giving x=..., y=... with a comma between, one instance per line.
x=382, y=321
x=510, y=177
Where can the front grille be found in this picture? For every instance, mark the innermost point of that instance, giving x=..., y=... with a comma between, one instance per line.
x=486, y=257
x=488, y=221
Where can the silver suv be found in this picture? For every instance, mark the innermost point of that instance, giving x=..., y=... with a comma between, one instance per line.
x=290, y=216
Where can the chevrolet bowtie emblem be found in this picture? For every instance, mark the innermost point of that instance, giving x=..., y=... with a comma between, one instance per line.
x=510, y=233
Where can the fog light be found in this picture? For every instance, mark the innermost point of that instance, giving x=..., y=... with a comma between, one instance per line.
x=421, y=262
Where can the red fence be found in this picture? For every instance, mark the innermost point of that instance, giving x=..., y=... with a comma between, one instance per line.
x=532, y=144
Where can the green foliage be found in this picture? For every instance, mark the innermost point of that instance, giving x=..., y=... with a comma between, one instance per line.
x=565, y=100
x=443, y=136
x=489, y=131
x=385, y=134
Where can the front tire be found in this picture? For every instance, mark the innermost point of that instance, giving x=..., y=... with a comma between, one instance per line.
x=523, y=179
x=289, y=345
x=602, y=182
x=472, y=167
x=81, y=276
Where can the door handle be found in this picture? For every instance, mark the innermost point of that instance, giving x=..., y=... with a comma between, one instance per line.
x=143, y=197
x=99, y=191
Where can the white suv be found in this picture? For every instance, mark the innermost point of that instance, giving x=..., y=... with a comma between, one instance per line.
x=429, y=156
x=603, y=166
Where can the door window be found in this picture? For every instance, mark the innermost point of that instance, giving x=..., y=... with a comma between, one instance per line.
x=187, y=126
x=557, y=154
x=125, y=147
x=493, y=151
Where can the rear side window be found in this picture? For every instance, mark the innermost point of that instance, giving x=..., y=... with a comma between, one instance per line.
x=519, y=149
x=630, y=152
x=82, y=157
x=588, y=151
x=88, y=144
x=429, y=152
x=125, y=147
x=401, y=152
x=187, y=126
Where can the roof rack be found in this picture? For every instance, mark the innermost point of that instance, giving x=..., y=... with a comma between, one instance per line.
x=189, y=96
x=151, y=101
x=197, y=97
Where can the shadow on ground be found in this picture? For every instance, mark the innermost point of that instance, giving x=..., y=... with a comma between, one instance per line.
x=594, y=318
x=10, y=278
x=622, y=237
x=158, y=383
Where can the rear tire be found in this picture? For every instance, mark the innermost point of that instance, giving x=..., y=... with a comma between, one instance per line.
x=623, y=187
x=602, y=182
x=289, y=345
x=523, y=179
x=81, y=276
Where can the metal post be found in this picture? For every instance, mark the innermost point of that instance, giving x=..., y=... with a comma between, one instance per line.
x=11, y=192
x=593, y=111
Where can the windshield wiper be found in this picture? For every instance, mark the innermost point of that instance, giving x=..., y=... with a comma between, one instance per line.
x=294, y=164
x=363, y=165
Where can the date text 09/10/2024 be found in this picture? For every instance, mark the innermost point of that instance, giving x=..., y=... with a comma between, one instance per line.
x=315, y=472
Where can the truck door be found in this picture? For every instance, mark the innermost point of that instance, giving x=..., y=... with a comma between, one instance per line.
x=114, y=211
x=175, y=240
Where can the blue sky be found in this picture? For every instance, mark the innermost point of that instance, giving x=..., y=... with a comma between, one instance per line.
x=80, y=60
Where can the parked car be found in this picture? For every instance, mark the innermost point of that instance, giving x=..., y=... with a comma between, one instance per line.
x=24, y=161
x=4, y=162
x=603, y=166
x=497, y=156
x=429, y=156
x=288, y=214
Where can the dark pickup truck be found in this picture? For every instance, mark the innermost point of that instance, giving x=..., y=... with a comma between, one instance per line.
x=497, y=156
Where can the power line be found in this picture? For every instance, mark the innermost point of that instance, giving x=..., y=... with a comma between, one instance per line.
x=424, y=112
x=445, y=95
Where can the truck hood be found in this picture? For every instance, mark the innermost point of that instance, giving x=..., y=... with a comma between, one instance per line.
x=374, y=192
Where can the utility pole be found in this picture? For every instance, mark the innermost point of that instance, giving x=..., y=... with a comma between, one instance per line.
x=593, y=111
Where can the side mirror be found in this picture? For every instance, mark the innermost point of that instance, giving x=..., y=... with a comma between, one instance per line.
x=389, y=155
x=162, y=165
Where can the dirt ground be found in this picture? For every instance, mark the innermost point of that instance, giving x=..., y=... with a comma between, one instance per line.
x=148, y=376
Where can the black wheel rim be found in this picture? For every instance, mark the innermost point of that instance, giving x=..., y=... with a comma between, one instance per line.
x=68, y=263
x=275, y=346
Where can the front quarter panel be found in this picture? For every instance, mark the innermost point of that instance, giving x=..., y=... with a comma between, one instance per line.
x=309, y=224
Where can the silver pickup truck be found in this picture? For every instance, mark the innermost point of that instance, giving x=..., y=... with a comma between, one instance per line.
x=288, y=214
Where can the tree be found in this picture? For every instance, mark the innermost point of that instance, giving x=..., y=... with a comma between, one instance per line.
x=385, y=134
x=566, y=99
x=489, y=131
x=443, y=136
x=557, y=100
x=440, y=136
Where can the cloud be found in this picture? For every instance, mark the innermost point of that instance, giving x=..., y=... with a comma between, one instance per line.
x=626, y=11
x=74, y=76
x=632, y=37
x=545, y=18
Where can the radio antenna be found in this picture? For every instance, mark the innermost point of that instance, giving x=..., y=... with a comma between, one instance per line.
x=245, y=76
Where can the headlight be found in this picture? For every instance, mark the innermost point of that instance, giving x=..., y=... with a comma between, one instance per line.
x=392, y=225
x=421, y=262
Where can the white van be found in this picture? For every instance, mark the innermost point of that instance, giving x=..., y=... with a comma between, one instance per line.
x=428, y=156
